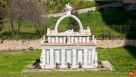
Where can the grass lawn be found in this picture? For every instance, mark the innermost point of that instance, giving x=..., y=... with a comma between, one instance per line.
x=66, y=74
x=13, y=62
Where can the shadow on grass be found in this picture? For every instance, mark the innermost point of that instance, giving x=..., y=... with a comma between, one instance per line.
x=124, y=22
x=131, y=50
x=120, y=20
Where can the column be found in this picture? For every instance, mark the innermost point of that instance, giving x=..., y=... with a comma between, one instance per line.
x=52, y=39
x=87, y=39
x=60, y=39
x=72, y=39
x=56, y=39
x=84, y=39
x=74, y=64
x=85, y=58
x=63, y=64
x=52, y=58
x=68, y=40
x=64, y=39
x=42, y=58
x=49, y=39
x=92, y=56
x=76, y=40
x=80, y=39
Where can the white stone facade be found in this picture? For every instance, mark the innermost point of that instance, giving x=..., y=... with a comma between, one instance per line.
x=69, y=47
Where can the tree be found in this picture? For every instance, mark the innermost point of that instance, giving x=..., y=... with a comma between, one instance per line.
x=20, y=11
x=3, y=4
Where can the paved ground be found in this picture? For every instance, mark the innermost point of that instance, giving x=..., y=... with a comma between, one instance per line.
x=106, y=67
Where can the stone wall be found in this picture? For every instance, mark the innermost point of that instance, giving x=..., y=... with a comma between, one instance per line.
x=19, y=44
x=24, y=44
x=115, y=43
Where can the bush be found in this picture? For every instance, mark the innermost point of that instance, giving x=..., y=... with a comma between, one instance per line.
x=57, y=65
x=69, y=65
x=80, y=65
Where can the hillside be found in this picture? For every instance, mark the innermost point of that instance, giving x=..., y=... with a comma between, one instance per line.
x=111, y=22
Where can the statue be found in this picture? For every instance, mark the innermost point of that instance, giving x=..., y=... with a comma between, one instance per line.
x=68, y=9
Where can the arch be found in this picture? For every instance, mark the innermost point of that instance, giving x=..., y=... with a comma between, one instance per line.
x=65, y=16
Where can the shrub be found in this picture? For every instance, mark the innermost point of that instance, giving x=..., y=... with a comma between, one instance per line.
x=57, y=65
x=69, y=65
x=80, y=65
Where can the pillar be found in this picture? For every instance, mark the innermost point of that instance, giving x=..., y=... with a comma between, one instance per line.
x=63, y=64
x=42, y=58
x=76, y=39
x=72, y=39
x=68, y=40
x=49, y=39
x=64, y=39
x=52, y=58
x=53, y=40
x=57, y=39
x=80, y=39
x=74, y=64
x=83, y=38
x=61, y=39
x=88, y=39
x=85, y=58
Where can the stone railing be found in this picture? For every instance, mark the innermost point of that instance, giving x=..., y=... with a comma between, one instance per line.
x=24, y=44
x=115, y=43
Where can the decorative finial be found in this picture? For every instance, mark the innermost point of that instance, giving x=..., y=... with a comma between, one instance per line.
x=68, y=9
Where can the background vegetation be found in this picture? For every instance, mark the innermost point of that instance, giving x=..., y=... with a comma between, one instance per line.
x=105, y=23
x=113, y=22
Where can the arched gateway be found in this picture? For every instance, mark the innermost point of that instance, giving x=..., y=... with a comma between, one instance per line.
x=68, y=48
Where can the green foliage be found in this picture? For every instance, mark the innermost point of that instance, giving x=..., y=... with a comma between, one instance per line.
x=116, y=22
x=57, y=66
x=3, y=3
x=23, y=35
x=69, y=65
x=80, y=65
x=55, y=6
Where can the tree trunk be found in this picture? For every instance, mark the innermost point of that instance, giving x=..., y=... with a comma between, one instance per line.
x=19, y=25
x=12, y=26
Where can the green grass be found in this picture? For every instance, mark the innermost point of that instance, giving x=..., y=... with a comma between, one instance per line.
x=13, y=62
x=121, y=58
x=66, y=74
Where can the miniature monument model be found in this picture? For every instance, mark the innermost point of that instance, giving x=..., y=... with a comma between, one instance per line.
x=69, y=47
